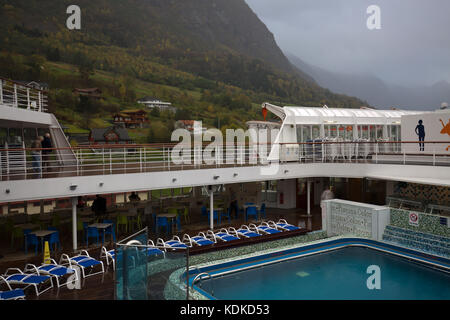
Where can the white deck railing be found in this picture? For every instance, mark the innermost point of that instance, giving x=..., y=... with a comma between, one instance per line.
x=16, y=95
x=25, y=163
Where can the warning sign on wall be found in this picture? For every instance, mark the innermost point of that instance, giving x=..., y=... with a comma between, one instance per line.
x=414, y=218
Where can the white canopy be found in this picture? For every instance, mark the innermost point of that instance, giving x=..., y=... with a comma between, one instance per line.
x=317, y=116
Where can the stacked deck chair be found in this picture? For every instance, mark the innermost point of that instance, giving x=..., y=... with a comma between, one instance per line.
x=222, y=235
x=62, y=274
x=85, y=262
x=283, y=225
x=199, y=240
x=244, y=231
x=11, y=294
x=174, y=243
x=264, y=228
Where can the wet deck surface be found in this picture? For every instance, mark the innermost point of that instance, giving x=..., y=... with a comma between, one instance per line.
x=101, y=287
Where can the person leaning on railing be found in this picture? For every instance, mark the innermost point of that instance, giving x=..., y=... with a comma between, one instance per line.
x=36, y=156
x=46, y=152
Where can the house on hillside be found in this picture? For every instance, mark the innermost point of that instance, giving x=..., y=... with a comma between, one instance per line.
x=94, y=93
x=151, y=102
x=35, y=85
x=135, y=118
x=193, y=126
x=111, y=135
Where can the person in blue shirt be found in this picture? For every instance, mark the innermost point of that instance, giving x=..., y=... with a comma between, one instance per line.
x=420, y=131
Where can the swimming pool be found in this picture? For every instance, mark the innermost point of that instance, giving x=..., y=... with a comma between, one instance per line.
x=332, y=270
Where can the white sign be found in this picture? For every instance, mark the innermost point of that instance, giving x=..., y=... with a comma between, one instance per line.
x=414, y=218
x=426, y=127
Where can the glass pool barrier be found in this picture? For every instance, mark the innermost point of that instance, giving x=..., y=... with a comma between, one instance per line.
x=143, y=271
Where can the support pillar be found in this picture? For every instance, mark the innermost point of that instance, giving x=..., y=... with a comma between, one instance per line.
x=211, y=210
x=308, y=188
x=74, y=223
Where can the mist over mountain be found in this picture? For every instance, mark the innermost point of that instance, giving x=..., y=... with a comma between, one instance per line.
x=375, y=91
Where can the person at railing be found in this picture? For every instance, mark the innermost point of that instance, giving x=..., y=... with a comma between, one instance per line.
x=234, y=204
x=327, y=194
x=134, y=197
x=46, y=152
x=81, y=203
x=36, y=156
x=99, y=206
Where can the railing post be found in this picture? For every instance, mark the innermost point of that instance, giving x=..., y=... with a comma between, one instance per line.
x=313, y=152
x=24, y=159
x=15, y=102
x=1, y=91
x=28, y=99
x=103, y=160
x=140, y=158
x=434, y=154
x=110, y=160
x=376, y=153
x=168, y=158
x=125, y=160
x=40, y=101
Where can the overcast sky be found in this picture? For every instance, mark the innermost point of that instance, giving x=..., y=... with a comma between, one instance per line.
x=411, y=48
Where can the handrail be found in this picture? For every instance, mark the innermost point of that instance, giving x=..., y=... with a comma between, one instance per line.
x=199, y=277
x=166, y=145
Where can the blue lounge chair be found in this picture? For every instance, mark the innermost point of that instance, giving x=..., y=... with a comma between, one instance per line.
x=244, y=231
x=53, y=270
x=85, y=262
x=200, y=240
x=283, y=225
x=11, y=294
x=174, y=243
x=27, y=280
x=264, y=227
x=222, y=235
x=108, y=255
x=153, y=250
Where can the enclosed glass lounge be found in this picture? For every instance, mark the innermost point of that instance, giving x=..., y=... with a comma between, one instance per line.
x=306, y=125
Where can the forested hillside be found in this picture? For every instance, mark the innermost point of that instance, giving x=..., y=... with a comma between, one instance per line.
x=213, y=59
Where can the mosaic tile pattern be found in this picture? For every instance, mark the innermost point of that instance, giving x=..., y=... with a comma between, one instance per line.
x=427, y=223
x=430, y=235
x=426, y=193
x=424, y=242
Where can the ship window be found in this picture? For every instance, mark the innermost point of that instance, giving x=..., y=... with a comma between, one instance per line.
x=3, y=136
x=315, y=131
x=306, y=133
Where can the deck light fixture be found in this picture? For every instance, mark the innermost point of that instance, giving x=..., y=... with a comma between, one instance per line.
x=73, y=187
x=174, y=179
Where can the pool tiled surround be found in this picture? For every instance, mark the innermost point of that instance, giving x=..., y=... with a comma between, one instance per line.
x=175, y=290
x=436, y=245
x=430, y=224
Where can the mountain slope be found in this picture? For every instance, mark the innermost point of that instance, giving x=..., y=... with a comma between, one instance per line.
x=214, y=41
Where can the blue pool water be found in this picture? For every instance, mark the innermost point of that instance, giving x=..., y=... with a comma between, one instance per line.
x=339, y=275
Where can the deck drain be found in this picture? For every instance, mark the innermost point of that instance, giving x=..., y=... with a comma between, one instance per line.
x=302, y=274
